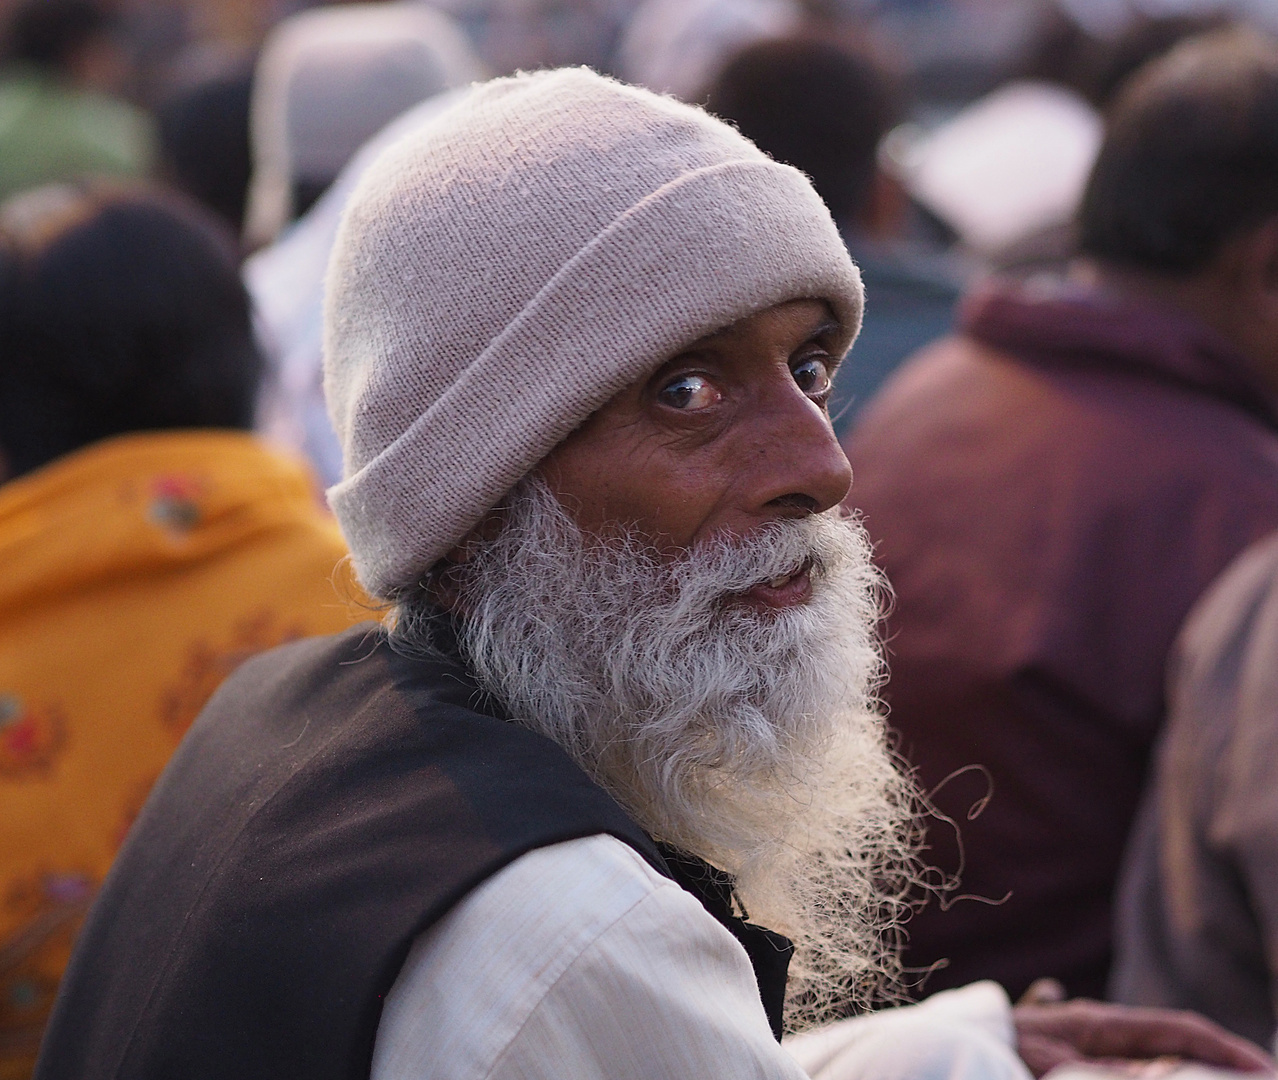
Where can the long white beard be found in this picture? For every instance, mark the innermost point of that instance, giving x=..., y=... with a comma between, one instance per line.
x=748, y=738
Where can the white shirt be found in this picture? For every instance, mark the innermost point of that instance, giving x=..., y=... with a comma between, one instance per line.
x=580, y=961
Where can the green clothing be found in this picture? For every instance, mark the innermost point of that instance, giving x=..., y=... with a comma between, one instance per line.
x=50, y=132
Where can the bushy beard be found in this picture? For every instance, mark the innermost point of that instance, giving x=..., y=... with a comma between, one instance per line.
x=748, y=737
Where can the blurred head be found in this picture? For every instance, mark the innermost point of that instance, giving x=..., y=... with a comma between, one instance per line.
x=51, y=32
x=121, y=310
x=816, y=105
x=579, y=340
x=1146, y=39
x=1189, y=159
x=74, y=38
x=204, y=142
x=1183, y=201
x=327, y=81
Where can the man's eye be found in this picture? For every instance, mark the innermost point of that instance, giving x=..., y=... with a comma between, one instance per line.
x=689, y=392
x=813, y=377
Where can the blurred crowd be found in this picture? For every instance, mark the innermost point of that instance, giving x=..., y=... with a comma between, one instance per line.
x=1061, y=412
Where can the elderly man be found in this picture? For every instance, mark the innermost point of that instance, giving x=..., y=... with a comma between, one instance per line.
x=580, y=340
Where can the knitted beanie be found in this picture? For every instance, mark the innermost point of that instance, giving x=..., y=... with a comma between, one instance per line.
x=505, y=270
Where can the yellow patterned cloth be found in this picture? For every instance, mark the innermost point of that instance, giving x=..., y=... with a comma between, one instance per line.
x=134, y=576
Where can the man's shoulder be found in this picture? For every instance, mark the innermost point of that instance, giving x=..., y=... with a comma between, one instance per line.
x=575, y=888
x=581, y=942
x=333, y=801
x=315, y=725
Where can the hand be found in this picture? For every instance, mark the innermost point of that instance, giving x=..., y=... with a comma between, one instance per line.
x=1080, y=1030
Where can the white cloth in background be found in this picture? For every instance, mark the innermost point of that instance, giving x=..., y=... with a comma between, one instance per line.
x=679, y=46
x=1005, y=168
x=286, y=282
x=328, y=80
x=579, y=960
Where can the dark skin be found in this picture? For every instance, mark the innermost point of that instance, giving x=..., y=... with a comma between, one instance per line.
x=733, y=433
x=728, y=435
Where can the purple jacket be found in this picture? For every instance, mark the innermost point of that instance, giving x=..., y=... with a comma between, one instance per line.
x=1049, y=492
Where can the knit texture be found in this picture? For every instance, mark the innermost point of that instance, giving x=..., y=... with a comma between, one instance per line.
x=507, y=269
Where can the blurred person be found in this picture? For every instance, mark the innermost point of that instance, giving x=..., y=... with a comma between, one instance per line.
x=1006, y=172
x=824, y=108
x=286, y=282
x=528, y=35
x=59, y=116
x=149, y=542
x=1051, y=489
x=1145, y=38
x=679, y=46
x=328, y=80
x=1095, y=57
x=1198, y=903
x=625, y=694
x=204, y=140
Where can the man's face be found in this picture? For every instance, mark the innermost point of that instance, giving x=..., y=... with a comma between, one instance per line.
x=730, y=434
x=674, y=598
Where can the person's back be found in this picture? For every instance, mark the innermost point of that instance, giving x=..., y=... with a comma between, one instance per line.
x=1049, y=492
x=150, y=543
x=1200, y=884
x=55, y=123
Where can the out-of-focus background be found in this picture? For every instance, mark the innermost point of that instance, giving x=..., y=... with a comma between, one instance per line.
x=1050, y=488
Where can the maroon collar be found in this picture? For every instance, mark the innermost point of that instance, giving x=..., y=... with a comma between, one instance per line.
x=1060, y=325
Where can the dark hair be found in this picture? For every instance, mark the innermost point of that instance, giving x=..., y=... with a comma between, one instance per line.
x=120, y=310
x=48, y=32
x=1146, y=39
x=1190, y=159
x=814, y=104
x=204, y=142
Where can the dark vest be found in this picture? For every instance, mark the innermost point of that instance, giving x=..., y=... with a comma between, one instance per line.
x=332, y=802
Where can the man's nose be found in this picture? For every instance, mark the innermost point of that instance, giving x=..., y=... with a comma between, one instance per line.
x=803, y=470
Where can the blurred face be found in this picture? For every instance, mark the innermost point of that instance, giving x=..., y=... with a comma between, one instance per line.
x=730, y=434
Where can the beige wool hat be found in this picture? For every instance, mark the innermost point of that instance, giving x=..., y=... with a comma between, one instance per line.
x=505, y=270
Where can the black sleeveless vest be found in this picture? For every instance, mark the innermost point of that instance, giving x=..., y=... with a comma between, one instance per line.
x=333, y=801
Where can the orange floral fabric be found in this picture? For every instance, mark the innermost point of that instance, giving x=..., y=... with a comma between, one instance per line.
x=135, y=575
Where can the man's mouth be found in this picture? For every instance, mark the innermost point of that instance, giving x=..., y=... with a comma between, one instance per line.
x=786, y=590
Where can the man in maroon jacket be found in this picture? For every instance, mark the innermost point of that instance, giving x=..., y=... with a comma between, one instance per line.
x=1052, y=488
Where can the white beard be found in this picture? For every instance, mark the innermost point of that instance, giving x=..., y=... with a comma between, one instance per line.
x=749, y=738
